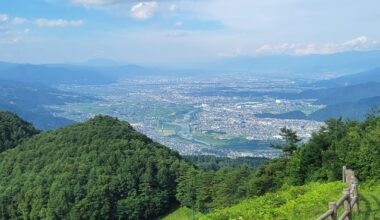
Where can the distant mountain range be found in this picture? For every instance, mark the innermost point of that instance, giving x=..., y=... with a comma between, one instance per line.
x=311, y=66
x=83, y=74
x=340, y=94
x=54, y=75
x=26, y=89
x=372, y=75
x=353, y=110
x=29, y=101
x=352, y=97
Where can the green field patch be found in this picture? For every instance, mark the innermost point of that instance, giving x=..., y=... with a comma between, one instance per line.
x=307, y=110
x=209, y=138
x=168, y=130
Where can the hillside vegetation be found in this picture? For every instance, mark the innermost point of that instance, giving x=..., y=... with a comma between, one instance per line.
x=300, y=202
x=101, y=169
x=14, y=130
x=351, y=143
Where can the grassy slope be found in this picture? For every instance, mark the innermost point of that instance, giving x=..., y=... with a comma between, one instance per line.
x=304, y=202
x=182, y=214
x=369, y=202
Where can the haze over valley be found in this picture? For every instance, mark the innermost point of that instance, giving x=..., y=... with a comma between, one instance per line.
x=196, y=112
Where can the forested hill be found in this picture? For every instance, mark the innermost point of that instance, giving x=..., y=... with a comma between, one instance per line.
x=101, y=169
x=13, y=130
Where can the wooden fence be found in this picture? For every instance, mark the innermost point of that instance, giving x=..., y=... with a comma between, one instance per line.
x=349, y=199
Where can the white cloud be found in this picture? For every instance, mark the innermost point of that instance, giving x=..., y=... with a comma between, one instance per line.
x=357, y=44
x=144, y=10
x=362, y=40
x=11, y=36
x=19, y=21
x=172, y=7
x=178, y=24
x=42, y=22
x=308, y=50
x=3, y=18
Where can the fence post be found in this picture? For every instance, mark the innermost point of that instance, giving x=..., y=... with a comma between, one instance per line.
x=354, y=193
x=344, y=174
x=332, y=205
x=347, y=204
x=349, y=174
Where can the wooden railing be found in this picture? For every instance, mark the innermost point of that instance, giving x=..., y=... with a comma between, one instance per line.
x=349, y=199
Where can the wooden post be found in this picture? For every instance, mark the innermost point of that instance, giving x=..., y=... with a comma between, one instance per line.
x=332, y=206
x=344, y=174
x=349, y=174
x=354, y=194
x=347, y=204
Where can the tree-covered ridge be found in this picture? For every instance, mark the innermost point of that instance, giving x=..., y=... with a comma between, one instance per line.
x=14, y=130
x=101, y=169
x=213, y=163
x=340, y=143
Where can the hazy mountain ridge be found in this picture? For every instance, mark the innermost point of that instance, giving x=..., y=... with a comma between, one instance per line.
x=54, y=75
x=309, y=66
x=29, y=100
x=371, y=75
x=342, y=94
x=353, y=110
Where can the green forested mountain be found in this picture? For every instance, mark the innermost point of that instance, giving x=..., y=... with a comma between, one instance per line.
x=14, y=130
x=101, y=169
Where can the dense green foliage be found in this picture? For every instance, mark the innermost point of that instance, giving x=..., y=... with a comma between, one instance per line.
x=351, y=143
x=291, y=140
x=300, y=202
x=101, y=169
x=305, y=202
x=13, y=130
x=208, y=163
x=205, y=191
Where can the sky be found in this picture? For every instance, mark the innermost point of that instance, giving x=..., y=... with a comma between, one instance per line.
x=168, y=32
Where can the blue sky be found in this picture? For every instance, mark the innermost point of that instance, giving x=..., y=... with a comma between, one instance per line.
x=168, y=32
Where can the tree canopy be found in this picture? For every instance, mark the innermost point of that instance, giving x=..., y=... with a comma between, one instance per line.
x=101, y=169
x=14, y=130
